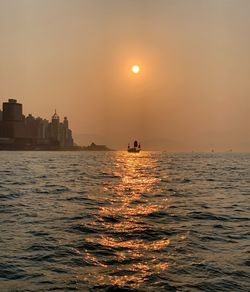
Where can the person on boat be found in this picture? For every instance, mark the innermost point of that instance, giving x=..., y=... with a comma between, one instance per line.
x=139, y=146
x=135, y=144
x=128, y=146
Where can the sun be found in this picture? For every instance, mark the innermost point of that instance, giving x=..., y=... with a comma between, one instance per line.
x=135, y=69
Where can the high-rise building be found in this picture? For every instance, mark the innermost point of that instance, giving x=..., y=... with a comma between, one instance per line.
x=60, y=132
x=42, y=125
x=12, y=120
x=67, y=133
x=54, y=128
x=12, y=111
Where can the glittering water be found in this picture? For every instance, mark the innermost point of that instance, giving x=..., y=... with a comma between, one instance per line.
x=146, y=222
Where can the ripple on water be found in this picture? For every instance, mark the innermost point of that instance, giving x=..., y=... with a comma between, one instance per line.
x=121, y=222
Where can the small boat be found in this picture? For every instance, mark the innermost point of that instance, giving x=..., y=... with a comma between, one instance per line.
x=136, y=148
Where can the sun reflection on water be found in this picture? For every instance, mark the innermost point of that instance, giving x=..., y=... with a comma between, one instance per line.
x=136, y=254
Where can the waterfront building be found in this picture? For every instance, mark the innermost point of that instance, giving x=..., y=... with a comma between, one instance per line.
x=12, y=125
x=60, y=131
x=12, y=111
x=36, y=128
x=21, y=130
x=54, y=127
x=67, y=133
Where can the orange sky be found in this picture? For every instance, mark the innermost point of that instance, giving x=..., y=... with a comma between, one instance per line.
x=193, y=92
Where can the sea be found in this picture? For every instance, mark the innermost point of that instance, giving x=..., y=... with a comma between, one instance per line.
x=118, y=221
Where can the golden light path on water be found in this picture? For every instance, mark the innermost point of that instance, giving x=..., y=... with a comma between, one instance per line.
x=118, y=221
x=130, y=199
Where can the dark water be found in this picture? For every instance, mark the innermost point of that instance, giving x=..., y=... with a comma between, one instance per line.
x=145, y=222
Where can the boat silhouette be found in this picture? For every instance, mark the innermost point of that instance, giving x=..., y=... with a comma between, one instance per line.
x=136, y=148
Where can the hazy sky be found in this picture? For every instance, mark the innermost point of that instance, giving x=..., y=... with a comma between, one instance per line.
x=193, y=92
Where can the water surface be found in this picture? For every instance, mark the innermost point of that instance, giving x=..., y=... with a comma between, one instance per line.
x=94, y=221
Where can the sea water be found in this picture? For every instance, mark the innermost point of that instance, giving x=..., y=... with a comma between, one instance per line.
x=118, y=221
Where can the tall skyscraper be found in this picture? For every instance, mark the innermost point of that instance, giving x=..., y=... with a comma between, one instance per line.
x=12, y=120
x=12, y=111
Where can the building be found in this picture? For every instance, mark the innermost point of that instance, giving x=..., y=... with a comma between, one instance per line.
x=60, y=131
x=37, y=129
x=12, y=111
x=12, y=124
x=31, y=132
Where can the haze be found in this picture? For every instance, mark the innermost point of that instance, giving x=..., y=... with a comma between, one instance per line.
x=75, y=56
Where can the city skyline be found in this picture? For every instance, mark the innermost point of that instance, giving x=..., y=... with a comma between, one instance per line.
x=192, y=93
x=20, y=132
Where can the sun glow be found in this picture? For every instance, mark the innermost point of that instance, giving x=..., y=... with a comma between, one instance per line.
x=135, y=69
